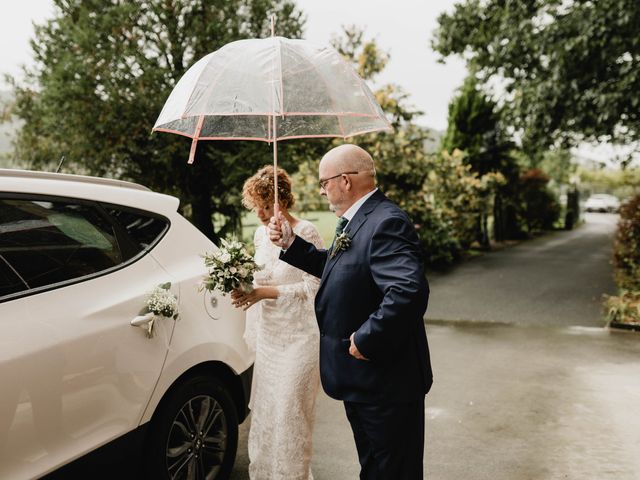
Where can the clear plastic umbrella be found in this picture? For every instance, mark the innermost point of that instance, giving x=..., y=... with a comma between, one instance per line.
x=269, y=90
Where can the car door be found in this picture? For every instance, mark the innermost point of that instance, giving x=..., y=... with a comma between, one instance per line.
x=75, y=373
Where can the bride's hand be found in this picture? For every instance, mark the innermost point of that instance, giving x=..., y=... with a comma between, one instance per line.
x=242, y=299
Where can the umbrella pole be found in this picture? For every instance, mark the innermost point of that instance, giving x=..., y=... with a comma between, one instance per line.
x=276, y=204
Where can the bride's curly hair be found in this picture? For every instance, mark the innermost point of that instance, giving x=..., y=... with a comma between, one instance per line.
x=258, y=190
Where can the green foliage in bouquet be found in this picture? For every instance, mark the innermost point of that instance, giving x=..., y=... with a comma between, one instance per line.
x=229, y=268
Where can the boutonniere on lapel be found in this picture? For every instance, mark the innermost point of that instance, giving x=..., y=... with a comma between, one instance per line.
x=342, y=243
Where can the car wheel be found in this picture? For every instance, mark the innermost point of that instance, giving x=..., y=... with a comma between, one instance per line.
x=194, y=434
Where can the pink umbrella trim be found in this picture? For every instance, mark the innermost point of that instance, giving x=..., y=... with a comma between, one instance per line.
x=283, y=114
x=267, y=140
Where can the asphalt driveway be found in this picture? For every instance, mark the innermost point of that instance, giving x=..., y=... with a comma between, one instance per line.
x=557, y=279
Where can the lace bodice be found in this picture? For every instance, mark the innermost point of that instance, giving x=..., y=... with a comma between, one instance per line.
x=296, y=289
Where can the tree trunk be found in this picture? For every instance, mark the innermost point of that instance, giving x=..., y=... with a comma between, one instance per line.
x=200, y=191
x=498, y=219
x=201, y=214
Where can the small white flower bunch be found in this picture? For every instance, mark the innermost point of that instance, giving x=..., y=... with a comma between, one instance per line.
x=229, y=267
x=162, y=302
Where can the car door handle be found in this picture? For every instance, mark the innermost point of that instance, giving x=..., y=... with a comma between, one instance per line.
x=146, y=322
x=142, y=319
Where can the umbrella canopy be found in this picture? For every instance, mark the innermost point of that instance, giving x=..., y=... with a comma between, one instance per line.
x=270, y=89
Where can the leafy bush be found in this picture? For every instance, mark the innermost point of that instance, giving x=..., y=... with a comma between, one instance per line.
x=626, y=256
x=624, y=308
x=539, y=209
x=440, y=247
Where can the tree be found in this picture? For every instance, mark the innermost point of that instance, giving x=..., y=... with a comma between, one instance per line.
x=539, y=208
x=103, y=71
x=474, y=126
x=400, y=157
x=571, y=69
x=402, y=165
x=623, y=183
x=559, y=165
x=439, y=192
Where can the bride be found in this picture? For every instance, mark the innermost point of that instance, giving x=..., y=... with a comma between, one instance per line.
x=282, y=328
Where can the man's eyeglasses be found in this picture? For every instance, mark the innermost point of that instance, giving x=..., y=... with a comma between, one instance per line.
x=323, y=183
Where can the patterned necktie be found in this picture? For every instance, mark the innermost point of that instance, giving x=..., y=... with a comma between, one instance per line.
x=342, y=222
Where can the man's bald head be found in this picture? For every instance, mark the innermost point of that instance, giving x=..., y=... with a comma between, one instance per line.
x=358, y=176
x=349, y=157
x=352, y=158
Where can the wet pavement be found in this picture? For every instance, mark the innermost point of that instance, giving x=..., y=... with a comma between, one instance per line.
x=527, y=388
x=557, y=279
x=533, y=403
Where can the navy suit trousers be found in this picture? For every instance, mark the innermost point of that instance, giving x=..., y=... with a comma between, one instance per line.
x=389, y=439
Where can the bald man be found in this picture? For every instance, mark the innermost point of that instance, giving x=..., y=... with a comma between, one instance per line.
x=370, y=306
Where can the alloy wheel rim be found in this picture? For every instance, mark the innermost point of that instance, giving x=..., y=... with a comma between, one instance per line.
x=197, y=440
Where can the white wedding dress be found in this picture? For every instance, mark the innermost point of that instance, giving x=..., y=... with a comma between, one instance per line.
x=286, y=378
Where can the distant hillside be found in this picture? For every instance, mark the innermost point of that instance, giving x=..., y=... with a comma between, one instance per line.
x=7, y=133
x=7, y=129
x=432, y=144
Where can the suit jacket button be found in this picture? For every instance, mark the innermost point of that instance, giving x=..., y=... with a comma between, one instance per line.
x=322, y=334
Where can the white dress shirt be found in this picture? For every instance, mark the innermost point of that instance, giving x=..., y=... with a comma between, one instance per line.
x=353, y=209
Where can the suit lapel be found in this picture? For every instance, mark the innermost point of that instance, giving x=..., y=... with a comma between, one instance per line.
x=353, y=227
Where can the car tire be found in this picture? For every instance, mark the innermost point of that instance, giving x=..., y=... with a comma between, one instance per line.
x=176, y=448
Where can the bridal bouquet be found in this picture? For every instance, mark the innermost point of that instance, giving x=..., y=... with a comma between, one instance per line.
x=230, y=267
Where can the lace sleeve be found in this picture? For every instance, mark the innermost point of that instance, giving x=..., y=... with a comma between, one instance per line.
x=307, y=288
x=252, y=317
x=258, y=238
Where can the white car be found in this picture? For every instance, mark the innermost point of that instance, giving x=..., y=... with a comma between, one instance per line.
x=80, y=378
x=602, y=202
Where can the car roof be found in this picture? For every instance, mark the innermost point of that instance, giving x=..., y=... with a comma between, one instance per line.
x=85, y=187
x=70, y=177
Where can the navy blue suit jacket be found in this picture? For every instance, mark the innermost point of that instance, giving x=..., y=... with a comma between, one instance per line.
x=376, y=288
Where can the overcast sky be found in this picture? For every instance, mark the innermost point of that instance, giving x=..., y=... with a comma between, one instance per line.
x=402, y=28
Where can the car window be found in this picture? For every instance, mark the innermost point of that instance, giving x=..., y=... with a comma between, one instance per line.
x=47, y=242
x=10, y=281
x=143, y=229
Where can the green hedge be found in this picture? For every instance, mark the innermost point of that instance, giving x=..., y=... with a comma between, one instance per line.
x=625, y=308
x=626, y=256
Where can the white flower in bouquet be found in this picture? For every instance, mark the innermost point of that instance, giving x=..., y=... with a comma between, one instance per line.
x=230, y=267
x=162, y=302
